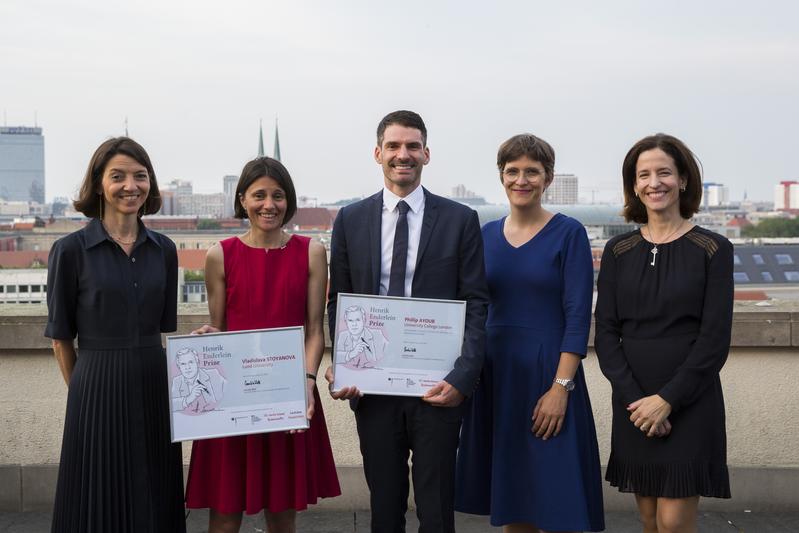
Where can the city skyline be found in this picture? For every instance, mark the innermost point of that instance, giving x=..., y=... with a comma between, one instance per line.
x=589, y=79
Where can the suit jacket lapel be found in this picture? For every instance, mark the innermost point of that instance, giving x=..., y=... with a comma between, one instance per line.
x=428, y=223
x=375, y=236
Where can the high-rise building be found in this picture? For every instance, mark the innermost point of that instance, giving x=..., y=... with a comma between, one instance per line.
x=562, y=191
x=176, y=197
x=715, y=195
x=204, y=205
x=22, y=164
x=786, y=196
x=229, y=190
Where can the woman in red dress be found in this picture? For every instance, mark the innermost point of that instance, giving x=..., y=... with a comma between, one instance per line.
x=266, y=278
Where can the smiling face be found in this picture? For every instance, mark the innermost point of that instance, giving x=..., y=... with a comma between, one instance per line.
x=265, y=203
x=187, y=364
x=354, y=322
x=525, y=181
x=658, y=183
x=402, y=155
x=125, y=185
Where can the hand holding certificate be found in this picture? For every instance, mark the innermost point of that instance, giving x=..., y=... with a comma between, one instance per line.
x=396, y=346
x=237, y=383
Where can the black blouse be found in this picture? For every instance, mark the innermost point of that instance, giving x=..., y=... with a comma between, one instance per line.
x=107, y=298
x=670, y=321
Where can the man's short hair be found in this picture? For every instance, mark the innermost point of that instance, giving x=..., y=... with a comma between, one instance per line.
x=408, y=119
x=355, y=309
x=184, y=351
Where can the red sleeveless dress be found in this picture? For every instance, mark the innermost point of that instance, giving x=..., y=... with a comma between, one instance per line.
x=272, y=471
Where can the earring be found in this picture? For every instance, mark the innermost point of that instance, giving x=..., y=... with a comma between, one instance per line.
x=682, y=188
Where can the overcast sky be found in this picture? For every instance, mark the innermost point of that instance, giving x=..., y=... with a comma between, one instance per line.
x=194, y=78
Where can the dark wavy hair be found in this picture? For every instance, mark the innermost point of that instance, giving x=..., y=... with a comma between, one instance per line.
x=265, y=167
x=90, y=198
x=688, y=167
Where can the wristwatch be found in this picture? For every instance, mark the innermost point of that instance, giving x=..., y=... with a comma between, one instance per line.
x=568, y=384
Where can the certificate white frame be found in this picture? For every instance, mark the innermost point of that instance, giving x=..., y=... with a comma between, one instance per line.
x=440, y=341
x=246, y=364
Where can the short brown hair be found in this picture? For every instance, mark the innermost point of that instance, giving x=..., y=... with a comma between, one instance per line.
x=270, y=168
x=527, y=144
x=406, y=119
x=89, y=202
x=688, y=168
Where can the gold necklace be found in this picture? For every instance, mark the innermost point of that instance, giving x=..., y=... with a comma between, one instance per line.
x=120, y=240
x=280, y=245
x=654, y=250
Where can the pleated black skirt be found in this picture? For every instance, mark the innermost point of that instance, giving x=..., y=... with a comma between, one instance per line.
x=119, y=471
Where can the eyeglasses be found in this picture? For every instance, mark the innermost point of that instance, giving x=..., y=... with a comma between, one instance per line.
x=530, y=174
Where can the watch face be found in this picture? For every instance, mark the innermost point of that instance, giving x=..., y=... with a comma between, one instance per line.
x=569, y=385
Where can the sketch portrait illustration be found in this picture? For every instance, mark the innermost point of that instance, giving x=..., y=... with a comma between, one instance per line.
x=195, y=390
x=359, y=347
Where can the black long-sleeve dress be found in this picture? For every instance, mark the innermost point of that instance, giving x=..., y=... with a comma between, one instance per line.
x=665, y=329
x=119, y=471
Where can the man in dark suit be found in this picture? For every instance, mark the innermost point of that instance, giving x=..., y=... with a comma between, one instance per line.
x=405, y=241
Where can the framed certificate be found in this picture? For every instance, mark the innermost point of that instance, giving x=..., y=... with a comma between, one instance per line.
x=236, y=383
x=395, y=346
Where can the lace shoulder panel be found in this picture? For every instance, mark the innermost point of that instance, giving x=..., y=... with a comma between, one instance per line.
x=704, y=241
x=626, y=244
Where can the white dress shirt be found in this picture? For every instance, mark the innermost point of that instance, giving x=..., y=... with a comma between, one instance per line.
x=415, y=201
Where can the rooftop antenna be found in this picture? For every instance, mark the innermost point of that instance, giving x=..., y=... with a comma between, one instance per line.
x=126, y=127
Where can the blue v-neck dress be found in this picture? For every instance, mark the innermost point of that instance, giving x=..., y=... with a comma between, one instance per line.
x=540, y=306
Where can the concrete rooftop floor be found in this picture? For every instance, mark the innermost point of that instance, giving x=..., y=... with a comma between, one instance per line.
x=358, y=522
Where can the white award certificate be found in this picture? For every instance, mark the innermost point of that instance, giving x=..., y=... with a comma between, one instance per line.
x=395, y=346
x=236, y=383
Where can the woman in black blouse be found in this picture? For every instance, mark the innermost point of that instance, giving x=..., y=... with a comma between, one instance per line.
x=113, y=284
x=663, y=319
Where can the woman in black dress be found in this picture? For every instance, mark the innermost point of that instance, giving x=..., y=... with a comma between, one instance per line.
x=113, y=284
x=663, y=319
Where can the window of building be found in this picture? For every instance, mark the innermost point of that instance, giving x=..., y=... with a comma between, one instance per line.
x=2, y=288
x=736, y=260
x=36, y=288
x=784, y=259
x=11, y=288
x=792, y=275
x=758, y=259
x=740, y=276
x=23, y=288
x=766, y=276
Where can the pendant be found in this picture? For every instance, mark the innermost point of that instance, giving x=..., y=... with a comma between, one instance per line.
x=654, y=252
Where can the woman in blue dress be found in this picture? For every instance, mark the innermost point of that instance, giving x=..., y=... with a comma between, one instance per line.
x=528, y=453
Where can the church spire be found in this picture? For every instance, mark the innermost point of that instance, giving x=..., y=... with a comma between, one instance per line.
x=261, y=138
x=277, y=143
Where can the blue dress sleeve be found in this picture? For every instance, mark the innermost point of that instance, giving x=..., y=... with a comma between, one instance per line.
x=62, y=292
x=577, y=272
x=169, y=315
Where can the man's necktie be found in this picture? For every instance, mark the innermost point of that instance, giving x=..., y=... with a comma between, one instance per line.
x=396, y=278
